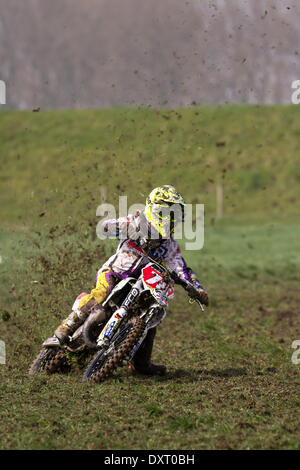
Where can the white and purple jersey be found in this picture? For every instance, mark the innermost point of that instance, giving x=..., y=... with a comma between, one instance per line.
x=127, y=259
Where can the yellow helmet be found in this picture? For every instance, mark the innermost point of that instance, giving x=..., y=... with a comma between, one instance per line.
x=164, y=208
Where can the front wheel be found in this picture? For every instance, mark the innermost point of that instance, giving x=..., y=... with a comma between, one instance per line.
x=105, y=362
x=49, y=360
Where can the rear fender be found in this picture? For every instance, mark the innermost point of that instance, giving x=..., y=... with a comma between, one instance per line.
x=51, y=342
x=75, y=307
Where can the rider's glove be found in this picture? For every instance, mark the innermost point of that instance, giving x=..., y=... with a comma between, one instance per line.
x=129, y=230
x=198, y=293
x=202, y=296
x=132, y=231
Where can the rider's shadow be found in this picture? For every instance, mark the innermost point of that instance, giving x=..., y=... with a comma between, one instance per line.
x=187, y=375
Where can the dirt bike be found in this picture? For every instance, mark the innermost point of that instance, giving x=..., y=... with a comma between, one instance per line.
x=133, y=307
x=136, y=305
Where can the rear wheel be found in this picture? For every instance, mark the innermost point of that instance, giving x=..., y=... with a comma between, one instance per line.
x=50, y=360
x=104, y=363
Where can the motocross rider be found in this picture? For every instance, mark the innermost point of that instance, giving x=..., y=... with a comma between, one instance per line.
x=147, y=232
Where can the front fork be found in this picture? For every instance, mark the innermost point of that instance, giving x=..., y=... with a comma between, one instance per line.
x=115, y=320
x=149, y=324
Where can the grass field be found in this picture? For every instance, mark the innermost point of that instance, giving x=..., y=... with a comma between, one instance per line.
x=231, y=382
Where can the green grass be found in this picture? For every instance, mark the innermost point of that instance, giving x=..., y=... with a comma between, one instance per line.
x=53, y=162
x=230, y=381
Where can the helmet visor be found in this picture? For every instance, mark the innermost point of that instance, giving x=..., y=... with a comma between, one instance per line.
x=165, y=217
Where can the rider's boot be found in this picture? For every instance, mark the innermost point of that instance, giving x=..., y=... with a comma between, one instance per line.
x=141, y=362
x=73, y=321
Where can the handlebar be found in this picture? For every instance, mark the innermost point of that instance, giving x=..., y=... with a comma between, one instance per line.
x=179, y=281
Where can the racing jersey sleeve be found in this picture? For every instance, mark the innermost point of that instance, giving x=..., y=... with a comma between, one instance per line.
x=175, y=261
x=119, y=227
